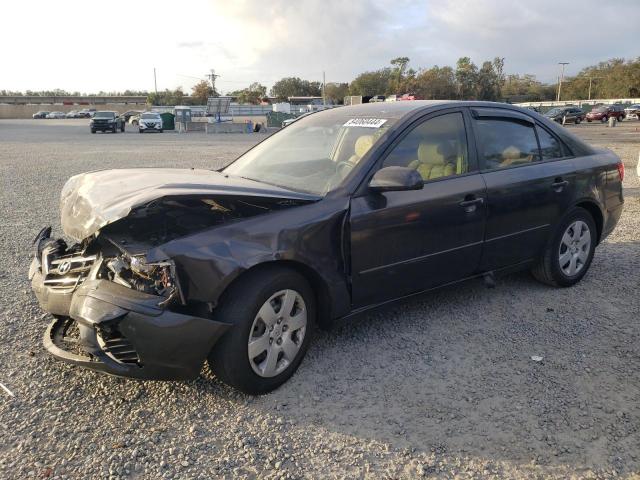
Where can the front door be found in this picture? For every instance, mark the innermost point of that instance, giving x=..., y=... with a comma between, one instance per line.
x=406, y=242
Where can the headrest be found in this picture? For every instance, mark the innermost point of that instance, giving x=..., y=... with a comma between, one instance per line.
x=511, y=153
x=429, y=153
x=363, y=144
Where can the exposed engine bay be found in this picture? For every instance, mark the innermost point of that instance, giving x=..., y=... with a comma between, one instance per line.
x=118, y=251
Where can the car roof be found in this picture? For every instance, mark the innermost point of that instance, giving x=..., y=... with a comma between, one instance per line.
x=394, y=109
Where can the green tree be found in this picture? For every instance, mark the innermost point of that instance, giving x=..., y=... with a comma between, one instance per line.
x=335, y=92
x=201, y=92
x=168, y=97
x=295, y=87
x=436, y=83
x=467, y=78
x=253, y=94
x=377, y=82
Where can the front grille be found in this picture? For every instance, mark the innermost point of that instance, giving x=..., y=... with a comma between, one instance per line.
x=118, y=347
x=66, y=272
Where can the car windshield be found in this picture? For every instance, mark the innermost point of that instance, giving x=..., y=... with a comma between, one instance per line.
x=104, y=115
x=600, y=109
x=554, y=111
x=313, y=154
x=153, y=116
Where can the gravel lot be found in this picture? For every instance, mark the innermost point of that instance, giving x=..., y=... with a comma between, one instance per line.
x=443, y=386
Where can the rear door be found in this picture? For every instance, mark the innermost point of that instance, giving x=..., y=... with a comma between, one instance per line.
x=530, y=182
x=406, y=242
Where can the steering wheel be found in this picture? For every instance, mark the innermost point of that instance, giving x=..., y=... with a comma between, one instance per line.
x=343, y=168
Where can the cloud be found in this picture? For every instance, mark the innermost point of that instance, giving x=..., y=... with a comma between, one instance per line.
x=254, y=40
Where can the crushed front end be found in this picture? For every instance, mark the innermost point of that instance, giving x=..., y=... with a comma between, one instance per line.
x=117, y=314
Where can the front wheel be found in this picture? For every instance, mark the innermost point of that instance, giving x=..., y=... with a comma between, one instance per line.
x=122, y=127
x=272, y=311
x=604, y=119
x=568, y=255
x=140, y=130
x=578, y=120
x=161, y=130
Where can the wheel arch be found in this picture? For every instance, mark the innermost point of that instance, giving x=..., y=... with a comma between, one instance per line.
x=596, y=213
x=317, y=283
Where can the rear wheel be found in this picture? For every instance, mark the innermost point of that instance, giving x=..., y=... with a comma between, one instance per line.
x=272, y=311
x=568, y=255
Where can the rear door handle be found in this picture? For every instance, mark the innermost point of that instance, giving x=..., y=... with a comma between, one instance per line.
x=470, y=203
x=559, y=184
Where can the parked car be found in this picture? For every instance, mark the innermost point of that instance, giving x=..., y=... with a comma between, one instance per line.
x=86, y=113
x=72, y=114
x=56, y=115
x=632, y=111
x=377, y=98
x=342, y=211
x=130, y=113
x=566, y=114
x=603, y=113
x=150, y=121
x=106, y=121
x=40, y=114
x=289, y=121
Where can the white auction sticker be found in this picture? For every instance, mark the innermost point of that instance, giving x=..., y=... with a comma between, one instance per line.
x=366, y=122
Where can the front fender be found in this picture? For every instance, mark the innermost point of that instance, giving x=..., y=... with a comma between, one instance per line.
x=311, y=235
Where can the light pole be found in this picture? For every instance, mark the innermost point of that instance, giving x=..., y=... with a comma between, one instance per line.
x=591, y=78
x=561, y=79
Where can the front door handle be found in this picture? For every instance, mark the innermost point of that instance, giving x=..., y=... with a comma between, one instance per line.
x=470, y=203
x=559, y=184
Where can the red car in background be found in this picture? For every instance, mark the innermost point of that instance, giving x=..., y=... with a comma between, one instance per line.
x=603, y=112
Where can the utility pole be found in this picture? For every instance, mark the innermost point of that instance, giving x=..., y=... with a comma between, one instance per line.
x=212, y=76
x=591, y=78
x=324, y=83
x=155, y=82
x=561, y=79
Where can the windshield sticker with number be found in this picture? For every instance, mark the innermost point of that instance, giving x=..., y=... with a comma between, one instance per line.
x=366, y=122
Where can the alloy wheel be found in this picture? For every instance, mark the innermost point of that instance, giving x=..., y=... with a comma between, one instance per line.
x=575, y=246
x=277, y=333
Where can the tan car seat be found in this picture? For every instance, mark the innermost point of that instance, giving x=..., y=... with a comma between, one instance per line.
x=361, y=147
x=513, y=156
x=432, y=163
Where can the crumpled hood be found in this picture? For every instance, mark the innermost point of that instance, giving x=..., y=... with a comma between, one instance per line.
x=90, y=201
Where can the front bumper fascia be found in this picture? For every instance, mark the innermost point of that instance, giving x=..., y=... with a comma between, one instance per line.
x=167, y=345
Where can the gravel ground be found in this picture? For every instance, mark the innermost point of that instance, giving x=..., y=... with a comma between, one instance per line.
x=442, y=387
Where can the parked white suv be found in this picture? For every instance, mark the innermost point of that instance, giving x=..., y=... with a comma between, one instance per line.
x=150, y=121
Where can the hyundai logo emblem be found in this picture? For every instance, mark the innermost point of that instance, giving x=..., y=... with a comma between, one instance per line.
x=64, y=267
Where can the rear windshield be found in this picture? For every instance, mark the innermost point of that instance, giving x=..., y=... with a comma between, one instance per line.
x=104, y=115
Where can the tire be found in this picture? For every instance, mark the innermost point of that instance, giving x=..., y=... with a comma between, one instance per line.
x=588, y=120
x=114, y=129
x=93, y=130
x=122, y=127
x=140, y=130
x=578, y=120
x=241, y=305
x=161, y=130
x=604, y=119
x=549, y=268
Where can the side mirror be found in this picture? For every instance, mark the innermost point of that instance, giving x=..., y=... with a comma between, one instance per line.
x=396, y=179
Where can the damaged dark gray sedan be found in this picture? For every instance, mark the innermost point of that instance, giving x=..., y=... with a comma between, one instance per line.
x=342, y=211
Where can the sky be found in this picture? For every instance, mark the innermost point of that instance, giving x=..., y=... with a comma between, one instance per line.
x=89, y=46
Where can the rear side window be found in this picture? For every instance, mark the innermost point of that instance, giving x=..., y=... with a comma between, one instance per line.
x=550, y=146
x=504, y=142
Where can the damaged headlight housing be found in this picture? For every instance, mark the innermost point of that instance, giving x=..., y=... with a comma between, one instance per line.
x=157, y=278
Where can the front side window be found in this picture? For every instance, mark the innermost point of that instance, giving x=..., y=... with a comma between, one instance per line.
x=435, y=148
x=550, y=146
x=505, y=142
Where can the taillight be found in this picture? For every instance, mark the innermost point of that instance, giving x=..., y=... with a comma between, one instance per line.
x=621, y=170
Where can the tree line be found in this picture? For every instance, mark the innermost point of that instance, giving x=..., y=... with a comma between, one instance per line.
x=614, y=78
